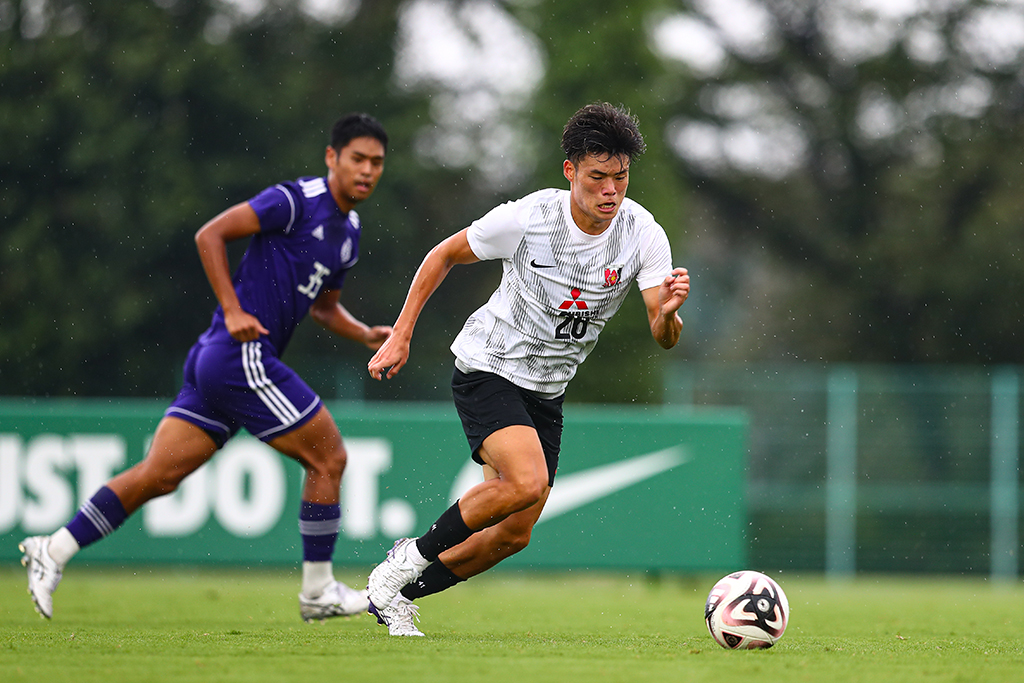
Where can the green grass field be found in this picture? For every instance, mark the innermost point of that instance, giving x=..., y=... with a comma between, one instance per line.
x=187, y=625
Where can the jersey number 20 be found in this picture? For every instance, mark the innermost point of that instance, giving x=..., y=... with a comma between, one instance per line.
x=575, y=328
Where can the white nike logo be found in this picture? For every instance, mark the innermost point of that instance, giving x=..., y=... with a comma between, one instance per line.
x=572, y=491
x=580, y=488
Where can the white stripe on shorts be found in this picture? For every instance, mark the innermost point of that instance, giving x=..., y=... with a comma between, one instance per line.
x=262, y=436
x=271, y=388
x=202, y=418
x=256, y=376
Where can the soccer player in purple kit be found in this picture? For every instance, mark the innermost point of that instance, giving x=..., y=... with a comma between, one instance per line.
x=304, y=238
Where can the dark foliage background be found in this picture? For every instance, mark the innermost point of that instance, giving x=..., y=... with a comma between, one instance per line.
x=125, y=126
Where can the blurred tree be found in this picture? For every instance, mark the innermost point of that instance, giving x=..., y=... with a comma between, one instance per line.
x=107, y=158
x=837, y=175
x=124, y=128
x=858, y=157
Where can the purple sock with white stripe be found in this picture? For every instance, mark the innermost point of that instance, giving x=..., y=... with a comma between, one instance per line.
x=99, y=516
x=319, y=525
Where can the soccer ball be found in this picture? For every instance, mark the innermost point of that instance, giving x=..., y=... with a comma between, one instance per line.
x=746, y=610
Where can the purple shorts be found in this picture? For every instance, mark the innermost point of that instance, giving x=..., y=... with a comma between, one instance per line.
x=229, y=386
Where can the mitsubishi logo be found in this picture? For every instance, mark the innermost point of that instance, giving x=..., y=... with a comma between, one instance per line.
x=575, y=301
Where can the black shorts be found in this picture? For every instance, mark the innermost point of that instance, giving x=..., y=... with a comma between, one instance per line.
x=487, y=403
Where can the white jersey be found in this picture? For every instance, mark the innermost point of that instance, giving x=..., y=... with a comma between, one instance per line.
x=559, y=287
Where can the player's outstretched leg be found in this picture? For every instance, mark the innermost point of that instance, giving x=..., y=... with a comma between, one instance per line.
x=43, y=573
x=178, y=448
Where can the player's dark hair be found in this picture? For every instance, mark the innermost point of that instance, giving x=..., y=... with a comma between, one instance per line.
x=358, y=125
x=604, y=130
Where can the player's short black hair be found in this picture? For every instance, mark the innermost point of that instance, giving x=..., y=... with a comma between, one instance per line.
x=604, y=130
x=357, y=125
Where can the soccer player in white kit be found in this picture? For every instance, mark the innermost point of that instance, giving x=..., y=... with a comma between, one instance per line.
x=568, y=260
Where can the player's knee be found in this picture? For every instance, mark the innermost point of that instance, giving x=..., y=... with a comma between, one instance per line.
x=164, y=486
x=513, y=539
x=530, y=491
x=518, y=542
x=154, y=483
x=329, y=463
x=337, y=459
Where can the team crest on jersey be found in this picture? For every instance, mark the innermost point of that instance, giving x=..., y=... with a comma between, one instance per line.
x=346, y=251
x=612, y=275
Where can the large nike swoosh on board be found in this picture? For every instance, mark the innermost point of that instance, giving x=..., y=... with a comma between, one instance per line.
x=580, y=488
x=572, y=491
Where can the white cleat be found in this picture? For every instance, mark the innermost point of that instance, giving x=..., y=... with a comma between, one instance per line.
x=43, y=572
x=400, y=616
x=337, y=600
x=392, y=575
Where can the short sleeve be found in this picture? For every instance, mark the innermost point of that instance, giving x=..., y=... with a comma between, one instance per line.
x=277, y=209
x=656, y=257
x=498, y=233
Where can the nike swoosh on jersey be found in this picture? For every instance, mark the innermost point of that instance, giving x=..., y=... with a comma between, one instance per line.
x=533, y=262
x=572, y=491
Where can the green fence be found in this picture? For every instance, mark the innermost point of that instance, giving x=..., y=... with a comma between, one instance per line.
x=875, y=468
x=653, y=489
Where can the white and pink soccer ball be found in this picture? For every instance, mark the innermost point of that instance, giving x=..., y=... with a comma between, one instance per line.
x=746, y=610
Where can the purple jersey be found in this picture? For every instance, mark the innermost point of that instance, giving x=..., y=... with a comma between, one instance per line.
x=305, y=245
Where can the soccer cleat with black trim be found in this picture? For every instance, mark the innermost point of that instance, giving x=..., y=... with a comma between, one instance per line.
x=43, y=573
x=337, y=600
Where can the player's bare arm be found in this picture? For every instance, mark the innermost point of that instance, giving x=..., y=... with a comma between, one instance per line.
x=211, y=240
x=663, y=304
x=329, y=314
x=394, y=353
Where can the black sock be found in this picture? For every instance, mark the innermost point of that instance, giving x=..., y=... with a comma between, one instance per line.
x=434, y=579
x=447, y=532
